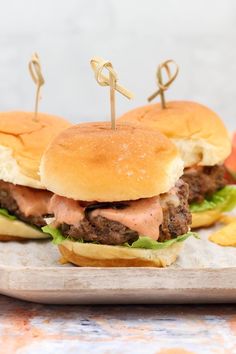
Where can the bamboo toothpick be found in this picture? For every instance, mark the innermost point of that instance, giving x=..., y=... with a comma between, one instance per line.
x=163, y=87
x=98, y=64
x=37, y=77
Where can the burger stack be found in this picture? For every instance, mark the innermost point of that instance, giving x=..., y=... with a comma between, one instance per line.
x=114, y=197
x=118, y=197
x=204, y=144
x=23, y=198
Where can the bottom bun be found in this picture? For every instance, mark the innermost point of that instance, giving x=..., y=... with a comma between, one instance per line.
x=11, y=230
x=93, y=255
x=205, y=218
x=13, y=238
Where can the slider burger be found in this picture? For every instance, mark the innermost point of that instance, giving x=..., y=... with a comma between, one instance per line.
x=23, y=198
x=204, y=144
x=119, y=199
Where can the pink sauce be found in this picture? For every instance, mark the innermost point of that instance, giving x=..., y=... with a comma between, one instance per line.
x=66, y=210
x=31, y=201
x=144, y=216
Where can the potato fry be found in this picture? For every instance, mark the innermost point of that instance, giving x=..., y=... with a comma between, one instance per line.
x=226, y=236
x=227, y=219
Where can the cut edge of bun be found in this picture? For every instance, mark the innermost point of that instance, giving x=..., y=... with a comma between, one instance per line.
x=202, y=153
x=10, y=170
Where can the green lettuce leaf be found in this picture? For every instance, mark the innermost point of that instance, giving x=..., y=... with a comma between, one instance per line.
x=149, y=243
x=4, y=212
x=56, y=234
x=222, y=200
x=142, y=242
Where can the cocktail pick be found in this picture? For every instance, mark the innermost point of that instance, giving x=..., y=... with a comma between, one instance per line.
x=162, y=87
x=37, y=77
x=98, y=65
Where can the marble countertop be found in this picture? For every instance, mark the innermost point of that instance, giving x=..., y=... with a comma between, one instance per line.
x=27, y=328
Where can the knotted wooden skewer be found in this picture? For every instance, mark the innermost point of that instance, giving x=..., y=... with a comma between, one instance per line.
x=98, y=64
x=164, y=87
x=37, y=77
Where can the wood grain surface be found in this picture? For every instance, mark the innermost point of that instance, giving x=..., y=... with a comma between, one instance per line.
x=27, y=328
x=73, y=285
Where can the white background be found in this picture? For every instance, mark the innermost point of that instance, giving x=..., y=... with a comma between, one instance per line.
x=135, y=35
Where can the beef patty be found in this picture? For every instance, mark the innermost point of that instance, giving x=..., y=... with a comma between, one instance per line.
x=8, y=202
x=203, y=181
x=176, y=218
x=100, y=230
x=176, y=221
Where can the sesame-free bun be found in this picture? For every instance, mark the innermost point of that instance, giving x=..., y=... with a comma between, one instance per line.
x=197, y=131
x=22, y=143
x=17, y=230
x=91, y=161
x=93, y=255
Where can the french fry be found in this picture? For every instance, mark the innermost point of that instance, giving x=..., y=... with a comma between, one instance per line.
x=226, y=236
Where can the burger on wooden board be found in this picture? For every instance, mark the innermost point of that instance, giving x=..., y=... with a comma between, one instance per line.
x=204, y=144
x=23, y=198
x=118, y=197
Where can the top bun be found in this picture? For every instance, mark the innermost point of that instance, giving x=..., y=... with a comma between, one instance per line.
x=92, y=162
x=22, y=143
x=197, y=131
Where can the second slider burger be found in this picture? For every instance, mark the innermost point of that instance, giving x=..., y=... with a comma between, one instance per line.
x=23, y=198
x=118, y=198
x=204, y=144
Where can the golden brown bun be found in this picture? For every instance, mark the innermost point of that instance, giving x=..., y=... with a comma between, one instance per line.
x=197, y=131
x=92, y=255
x=16, y=229
x=22, y=143
x=92, y=162
x=205, y=218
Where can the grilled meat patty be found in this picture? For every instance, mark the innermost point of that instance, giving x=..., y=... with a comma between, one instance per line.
x=176, y=216
x=7, y=201
x=176, y=221
x=100, y=230
x=203, y=181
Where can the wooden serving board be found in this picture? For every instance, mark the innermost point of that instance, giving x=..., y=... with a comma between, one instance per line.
x=121, y=286
x=204, y=273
